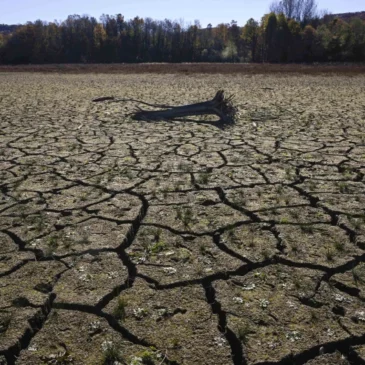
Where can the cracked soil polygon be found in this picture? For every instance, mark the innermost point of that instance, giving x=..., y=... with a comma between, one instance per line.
x=179, y=242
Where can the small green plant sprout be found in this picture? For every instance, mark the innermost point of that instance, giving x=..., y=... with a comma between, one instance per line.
x=157, y=247
x=66, y=241
x=203, y=250
x=165, y=193
x=187, y=216
x=278, y=199
x=358, y=274
x=39, y=222
x=199, y=271
x=157, y=234
x=339, y=246
x=266, y=253
x=183, y=255
x=295, y=213
x=98, y=179
x=23, y=211
x=262, y=276
x=343, y=187
x=307, y=228
x=175, y=343
x=5, y=323
x=284, y=220
x=330, y=254
x=288, y=172
x=294, y=247
x=147, y=357
x=230, y=231
x=128, y=173
x=179, y=213
x=83, y=197
x=347, y=172
x=203, y=178
x=178, y=184
x=297, y=282
x=356, y=222
x=120, y=309
x=251, y=237
x=314, y=317
x=84, y=239
x=73, y=147
x=243, y=333
x=111, y=353
x=312, y=185
x=52, y=244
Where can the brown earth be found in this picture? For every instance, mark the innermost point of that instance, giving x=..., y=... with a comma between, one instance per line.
x=193, y=68
x=131, y=242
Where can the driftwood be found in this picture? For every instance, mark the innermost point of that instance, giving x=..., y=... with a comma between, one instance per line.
x=219, y=105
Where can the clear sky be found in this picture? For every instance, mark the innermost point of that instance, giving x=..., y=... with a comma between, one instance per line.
x=207, y=11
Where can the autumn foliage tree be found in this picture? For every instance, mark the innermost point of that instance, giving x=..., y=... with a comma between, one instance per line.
x=278, y=37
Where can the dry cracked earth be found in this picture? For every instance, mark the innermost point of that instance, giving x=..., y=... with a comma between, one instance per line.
x=128, y=242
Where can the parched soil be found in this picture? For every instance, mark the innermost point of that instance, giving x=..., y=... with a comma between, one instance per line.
x=179, y=242
x=349, y=69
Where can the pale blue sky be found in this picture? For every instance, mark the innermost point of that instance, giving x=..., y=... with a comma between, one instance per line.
x=207, y=11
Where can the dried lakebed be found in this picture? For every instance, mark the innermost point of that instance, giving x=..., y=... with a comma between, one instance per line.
x=128, y=242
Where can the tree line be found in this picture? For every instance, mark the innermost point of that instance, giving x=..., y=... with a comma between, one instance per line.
x=279, y=36
x=5, y=28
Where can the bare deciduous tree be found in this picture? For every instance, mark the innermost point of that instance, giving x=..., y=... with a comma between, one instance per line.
x=300, y=10
x=309, y=10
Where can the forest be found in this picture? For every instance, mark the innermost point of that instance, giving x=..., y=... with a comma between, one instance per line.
x=279, y=37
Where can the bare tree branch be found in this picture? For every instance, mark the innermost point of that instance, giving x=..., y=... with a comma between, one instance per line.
x=296, y=9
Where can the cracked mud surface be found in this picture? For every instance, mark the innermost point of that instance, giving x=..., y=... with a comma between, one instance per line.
x=179, y=242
